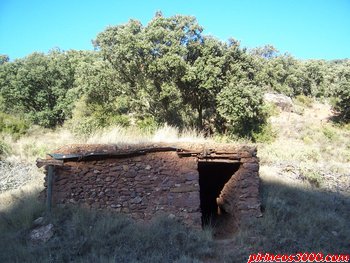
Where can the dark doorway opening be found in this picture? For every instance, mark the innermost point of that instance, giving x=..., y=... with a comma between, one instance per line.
x=212, y=178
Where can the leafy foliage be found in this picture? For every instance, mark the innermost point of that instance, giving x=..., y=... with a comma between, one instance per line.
x=38, y=86
x=303, y=100
x=87, y=119
x=165, y=72
x=4, y=148
x=242, y=106
x=4, y=59
x=12, y=125
x=343, y=102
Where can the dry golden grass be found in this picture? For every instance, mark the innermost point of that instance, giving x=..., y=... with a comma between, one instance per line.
x=10, y=197
x=132, y=135
x=18, y=168
x=37, y=143
x=15, y=174
x=305, y=194
x=310, y=148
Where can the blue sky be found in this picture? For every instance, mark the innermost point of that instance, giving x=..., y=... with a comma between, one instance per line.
x=307, y=29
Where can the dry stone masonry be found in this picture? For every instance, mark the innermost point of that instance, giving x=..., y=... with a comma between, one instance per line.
x=198, y=185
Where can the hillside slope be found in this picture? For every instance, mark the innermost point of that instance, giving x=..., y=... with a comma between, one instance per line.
x=309, y=147
x=305, y=193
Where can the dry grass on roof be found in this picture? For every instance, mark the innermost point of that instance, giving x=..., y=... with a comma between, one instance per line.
x=112, y=148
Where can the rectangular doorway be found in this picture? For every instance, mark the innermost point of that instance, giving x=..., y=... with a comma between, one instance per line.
x=212, y=178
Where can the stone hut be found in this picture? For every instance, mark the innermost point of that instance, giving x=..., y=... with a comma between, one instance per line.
x=200, y=184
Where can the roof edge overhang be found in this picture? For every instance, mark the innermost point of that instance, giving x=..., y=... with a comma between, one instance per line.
x=231, y=155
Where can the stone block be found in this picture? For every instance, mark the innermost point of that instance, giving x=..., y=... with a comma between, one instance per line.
x=184, y=189
x=254, y=167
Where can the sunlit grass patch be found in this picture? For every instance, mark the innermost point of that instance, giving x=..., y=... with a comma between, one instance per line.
x=119, y=135
x=134, y=135
x=15, y=174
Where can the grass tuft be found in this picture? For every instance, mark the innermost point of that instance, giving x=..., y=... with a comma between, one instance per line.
x=15, y=174
x=89, y=236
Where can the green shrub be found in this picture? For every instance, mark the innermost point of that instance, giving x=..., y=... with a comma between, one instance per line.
x=87, y=118
x=119, y=120
x=13, y=125
x=298, y=109
x=330, y=133
x=32, y=149
x=147, y=124
x=303, y=100
x=333, y=101
x=266, y=134
x=242, y=106
x=89, y=125
x=313, y=177
x=342, y=103
x=307, y=139
x=4, y=148
x=271, y=109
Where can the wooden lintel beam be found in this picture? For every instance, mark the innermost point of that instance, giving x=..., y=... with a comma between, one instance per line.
x=188, y=154
x=217, y=161
x=224, y=156
x=43, y=162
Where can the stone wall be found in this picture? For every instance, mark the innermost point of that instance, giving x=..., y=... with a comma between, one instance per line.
x=240, y=195
x=159, y=182
x=140, y=186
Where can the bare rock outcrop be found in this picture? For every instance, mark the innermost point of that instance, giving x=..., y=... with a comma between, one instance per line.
x=283, y=102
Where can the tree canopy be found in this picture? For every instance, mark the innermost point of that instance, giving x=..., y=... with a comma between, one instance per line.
x=167, y=71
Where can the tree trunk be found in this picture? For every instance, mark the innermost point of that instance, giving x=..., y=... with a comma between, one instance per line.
x=200, y=117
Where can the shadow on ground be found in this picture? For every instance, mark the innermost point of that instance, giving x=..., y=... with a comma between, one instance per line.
x=295, y=219
x=82, y=235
